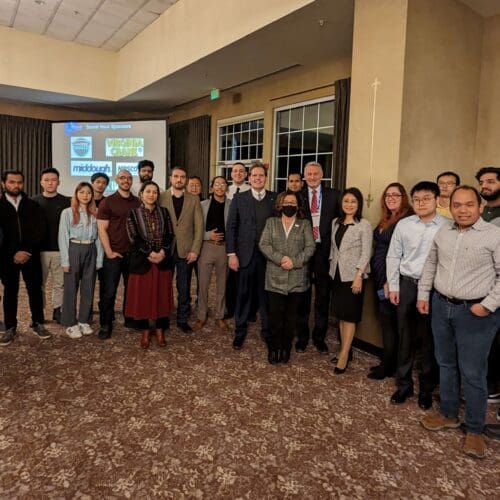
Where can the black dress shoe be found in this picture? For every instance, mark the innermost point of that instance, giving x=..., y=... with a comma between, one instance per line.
x=285, y=356
x=378, y=373
x=425, y=400
x=399, y=397
x=272, y=356
x=321, y=346
x=238, y=342
x=301, y=345
x=184, y=327
x=104, y=333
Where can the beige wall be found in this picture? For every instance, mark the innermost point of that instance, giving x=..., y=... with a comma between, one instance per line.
x=488, y=130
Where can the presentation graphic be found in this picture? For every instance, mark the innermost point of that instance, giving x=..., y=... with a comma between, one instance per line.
x=87, y=168
x=81, y=147
x=125, y=147
x=126, y=165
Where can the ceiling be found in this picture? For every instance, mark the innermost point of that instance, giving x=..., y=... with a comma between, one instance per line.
x=108, y=24
x=487, y=8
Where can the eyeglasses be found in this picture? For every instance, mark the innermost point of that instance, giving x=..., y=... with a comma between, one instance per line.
x=125, y=178
x=422, y=201
x=449, y=184
x=220, y=185
x=392, y=195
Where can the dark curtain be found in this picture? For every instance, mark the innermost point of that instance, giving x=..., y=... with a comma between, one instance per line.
x=341, y=132
x=190, y=147
x=26, y=145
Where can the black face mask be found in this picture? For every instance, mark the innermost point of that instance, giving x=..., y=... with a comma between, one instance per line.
x=289, y=210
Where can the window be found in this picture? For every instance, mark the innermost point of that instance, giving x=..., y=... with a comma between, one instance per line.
x=303, y=133
x=239, y=139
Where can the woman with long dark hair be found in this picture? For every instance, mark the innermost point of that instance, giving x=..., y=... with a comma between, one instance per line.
x=395, y=205
x=149, y=294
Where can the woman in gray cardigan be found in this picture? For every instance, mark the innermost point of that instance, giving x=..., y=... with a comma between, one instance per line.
x=288, y=244
x=350, y=253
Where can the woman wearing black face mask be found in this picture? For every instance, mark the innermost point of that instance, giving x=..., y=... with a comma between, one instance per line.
x=287, y=244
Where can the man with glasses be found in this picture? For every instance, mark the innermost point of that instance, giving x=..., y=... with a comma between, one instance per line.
x=410, y=245
x=447, y=182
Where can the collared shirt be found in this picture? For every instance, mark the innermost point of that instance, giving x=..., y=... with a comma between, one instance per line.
x=464, y=265
x=410, y=245
x=234, y=188
x=444, y=211
x=14, y=201
x=258, y=195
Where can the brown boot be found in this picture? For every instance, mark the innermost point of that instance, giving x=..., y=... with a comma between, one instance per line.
x=474, y=445
x=146, y=336
x=199, y=325
x=160, y=337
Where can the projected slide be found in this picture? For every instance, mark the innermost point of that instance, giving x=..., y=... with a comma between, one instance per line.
x=81, y=149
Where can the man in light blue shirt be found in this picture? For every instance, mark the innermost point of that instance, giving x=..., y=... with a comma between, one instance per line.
x=408, y=251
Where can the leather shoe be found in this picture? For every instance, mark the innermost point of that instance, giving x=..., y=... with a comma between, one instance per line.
x=301, y=345
x=399, y=397
x=285, y=356
x=199, y=325
x=160, y=337
x=146, y=336
x=335, y=358
x=184, y=327
x=238, y=342
x=378, y=373
x=273, y=356
x=104, y=333
x=221, y=325
x=425, y=400
x=321, y=346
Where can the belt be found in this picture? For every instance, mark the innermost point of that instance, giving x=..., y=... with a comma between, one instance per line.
x=82, y=242
x=217, y=243
x=410, y=279
x=458, y=302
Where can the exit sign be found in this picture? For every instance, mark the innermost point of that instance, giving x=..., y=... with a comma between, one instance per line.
x=214, y=94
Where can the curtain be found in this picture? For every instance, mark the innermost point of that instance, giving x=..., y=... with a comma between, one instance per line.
x=341, y=131
x=26, y=145
x=190, y=147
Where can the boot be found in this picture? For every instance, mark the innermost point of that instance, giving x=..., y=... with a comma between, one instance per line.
x=146, y=336
x=160, y=337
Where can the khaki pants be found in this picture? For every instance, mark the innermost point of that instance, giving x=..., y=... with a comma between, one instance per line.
x=51, y=263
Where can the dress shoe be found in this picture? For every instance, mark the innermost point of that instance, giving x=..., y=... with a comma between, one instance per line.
x=104, y=333
x=335, y=358
x=160, y=337
x=285, y=356
x=199, y=324
x=238, y=342
x=378, y=373
x=146, y=337
x=184, y=327
x=339, y=371
x=221, y=325
x=425, y=400
x=301, y=345
x=273, y=356
x=321, y=346
x=56, y=315
x=399, y=397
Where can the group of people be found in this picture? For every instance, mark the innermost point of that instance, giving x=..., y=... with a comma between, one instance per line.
x=434, y=257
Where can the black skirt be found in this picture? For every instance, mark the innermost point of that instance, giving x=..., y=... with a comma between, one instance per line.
x=346, y=305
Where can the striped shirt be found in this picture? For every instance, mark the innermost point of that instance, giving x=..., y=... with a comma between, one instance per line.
x=464, y=265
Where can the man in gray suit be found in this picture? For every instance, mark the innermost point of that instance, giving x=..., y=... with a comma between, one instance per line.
x=187, y=220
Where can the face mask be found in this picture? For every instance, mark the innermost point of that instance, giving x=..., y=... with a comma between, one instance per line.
x=289, y=210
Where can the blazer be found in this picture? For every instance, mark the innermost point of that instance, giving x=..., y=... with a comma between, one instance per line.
x=188, y=230
x=354, y=252
x=241, y=226
x=205, y=205
x=299, y=246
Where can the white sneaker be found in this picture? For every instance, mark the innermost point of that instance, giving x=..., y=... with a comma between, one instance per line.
x=74, y=332
x=85, y=328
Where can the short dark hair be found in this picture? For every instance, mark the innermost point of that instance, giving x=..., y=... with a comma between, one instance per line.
x=453, y=174
x=294, y=173
x=239, y=163
x=465, y=187
x=196, y=178
x=99, y=174
x=50, y=170
x=178, y=168
x=425, y=186
x=11, y=172
x=149, y=183
x=359, y=197
x=279, y=203
x=488, y=170
x=145, y=163
x=257, y=165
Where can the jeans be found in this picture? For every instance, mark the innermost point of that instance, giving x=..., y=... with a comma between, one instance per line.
x=183, y=272
x=462, y=342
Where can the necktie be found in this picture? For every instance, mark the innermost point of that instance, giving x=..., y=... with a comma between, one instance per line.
x=259, y=196
x=237, y=190
x=314, y=210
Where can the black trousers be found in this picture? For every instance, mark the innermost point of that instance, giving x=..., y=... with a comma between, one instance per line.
x=283, y=315
x=494, y=366
x=32, y=276
x=231, y=291
x=416, y=343
x=390, y=338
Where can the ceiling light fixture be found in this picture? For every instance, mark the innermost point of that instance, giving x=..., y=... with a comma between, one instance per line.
x=321, y=22
x=40, y=2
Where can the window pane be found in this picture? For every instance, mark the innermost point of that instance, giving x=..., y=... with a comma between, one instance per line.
x=325, y=142
x=236, y=139
x=237, y=127
x=235, y=153
x=307, y=159
x=259, y=152
x=245, y=126
x=253, y=124
x=253, y=137
x=260, y=123
x=326, y=114
x=296, y=143
x=244, y=138
x=283, y=119
x=259, y=136
x=310, y=137
x=244, y=153
x=253, y=153
x=283, y=144
x=326, y=162
x=229, y=129
x=296, y=118
x=311, y=116
x=281, y=186
x=283, y=167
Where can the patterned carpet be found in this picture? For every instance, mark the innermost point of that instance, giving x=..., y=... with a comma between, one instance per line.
x=93, y=419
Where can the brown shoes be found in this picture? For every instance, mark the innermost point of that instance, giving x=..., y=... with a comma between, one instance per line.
x=474, y=445
x=198, y=325
x=160, y=337
x=437, y=422
x=146, y=337
x=222, y=325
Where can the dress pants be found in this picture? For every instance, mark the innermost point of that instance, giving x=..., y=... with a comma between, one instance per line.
x=415, y=341
x=387, y=313
x=32, y=276
x=231, y=292
x=183, y=272
x=51, y=263
x=283, y=314
x=251, y=279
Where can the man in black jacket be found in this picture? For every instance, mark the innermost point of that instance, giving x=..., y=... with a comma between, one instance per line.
x=22, y=225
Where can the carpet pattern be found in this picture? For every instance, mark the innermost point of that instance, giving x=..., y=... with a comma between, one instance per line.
x=104, y=419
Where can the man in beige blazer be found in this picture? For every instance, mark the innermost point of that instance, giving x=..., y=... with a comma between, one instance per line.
x=187, y=220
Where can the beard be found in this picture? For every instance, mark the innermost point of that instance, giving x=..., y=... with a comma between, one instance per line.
x=145, y=178
x=491, y=197
x=14, y=193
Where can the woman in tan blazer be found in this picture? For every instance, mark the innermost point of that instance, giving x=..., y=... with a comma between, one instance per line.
x=349, y=264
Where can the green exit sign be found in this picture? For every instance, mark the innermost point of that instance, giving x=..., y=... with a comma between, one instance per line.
x=214, y=94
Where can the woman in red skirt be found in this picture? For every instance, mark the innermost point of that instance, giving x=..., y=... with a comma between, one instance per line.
x=149, y=293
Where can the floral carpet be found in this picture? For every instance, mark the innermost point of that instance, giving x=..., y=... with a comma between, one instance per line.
x=105, y=419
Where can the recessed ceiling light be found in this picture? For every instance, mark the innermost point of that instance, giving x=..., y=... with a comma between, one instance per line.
x=40, y=2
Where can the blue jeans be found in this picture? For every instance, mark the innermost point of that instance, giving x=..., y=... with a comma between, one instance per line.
x=183, y=272
x=462, y=344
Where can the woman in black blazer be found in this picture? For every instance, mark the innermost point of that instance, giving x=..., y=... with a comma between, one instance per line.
x=149, y=293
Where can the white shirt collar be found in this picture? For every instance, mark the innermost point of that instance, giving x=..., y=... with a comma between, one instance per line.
x=255, y=194
x=14, y=201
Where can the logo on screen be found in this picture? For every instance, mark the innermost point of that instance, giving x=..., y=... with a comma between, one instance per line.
x=72, y=127
x=81, y=147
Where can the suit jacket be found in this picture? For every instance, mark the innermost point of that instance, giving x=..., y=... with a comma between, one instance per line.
x=205, y=205
x=299, y=246
x=354, y=252
x=188, y=230
x=241, y=226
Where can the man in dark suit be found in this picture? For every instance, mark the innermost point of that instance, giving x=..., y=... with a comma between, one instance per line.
x=321, y=206
x=247, y=218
